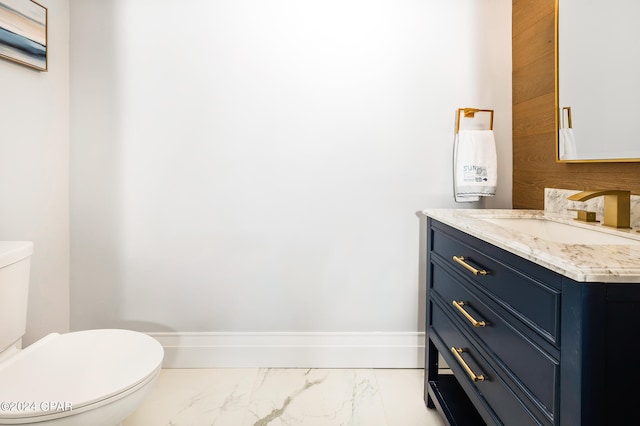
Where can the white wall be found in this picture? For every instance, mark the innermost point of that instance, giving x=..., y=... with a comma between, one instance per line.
x=34, y=172
x=255, y=166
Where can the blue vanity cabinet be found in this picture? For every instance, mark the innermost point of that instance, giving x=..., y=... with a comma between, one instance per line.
x=526, y=346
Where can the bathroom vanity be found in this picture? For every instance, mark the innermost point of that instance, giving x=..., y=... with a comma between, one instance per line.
x=534, y=329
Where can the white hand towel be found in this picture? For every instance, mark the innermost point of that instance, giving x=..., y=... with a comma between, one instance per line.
x=475, y=165
x=567, y=144
x=457, y=172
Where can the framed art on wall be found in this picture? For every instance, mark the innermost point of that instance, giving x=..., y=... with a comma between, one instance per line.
x=23, y=33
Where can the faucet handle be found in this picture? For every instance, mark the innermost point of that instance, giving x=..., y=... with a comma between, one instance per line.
x=585, y=215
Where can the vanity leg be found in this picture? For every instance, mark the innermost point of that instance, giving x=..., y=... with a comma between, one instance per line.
x=430, y=403
x=430, y=371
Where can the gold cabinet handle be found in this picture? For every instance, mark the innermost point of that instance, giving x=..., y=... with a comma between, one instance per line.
x=457, y=352
x=472, y=320
x=474, y=271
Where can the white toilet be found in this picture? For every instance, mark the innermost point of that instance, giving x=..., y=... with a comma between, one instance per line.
x=93, y=377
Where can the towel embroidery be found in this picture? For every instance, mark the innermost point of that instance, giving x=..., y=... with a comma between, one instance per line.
x=475, y=174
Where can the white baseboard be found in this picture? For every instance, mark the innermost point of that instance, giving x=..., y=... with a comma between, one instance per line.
x=292, y=350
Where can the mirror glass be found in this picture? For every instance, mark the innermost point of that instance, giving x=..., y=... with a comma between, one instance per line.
x=598, y=80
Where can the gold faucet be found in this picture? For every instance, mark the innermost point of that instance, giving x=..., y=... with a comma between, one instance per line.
x=617, y=206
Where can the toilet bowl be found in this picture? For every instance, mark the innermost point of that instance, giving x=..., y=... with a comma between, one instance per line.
x=82, y=378
x=93, y=377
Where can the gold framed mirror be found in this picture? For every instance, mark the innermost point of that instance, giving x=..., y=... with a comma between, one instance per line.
x=596, y=81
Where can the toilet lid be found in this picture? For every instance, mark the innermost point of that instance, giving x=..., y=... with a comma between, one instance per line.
x=75, y=370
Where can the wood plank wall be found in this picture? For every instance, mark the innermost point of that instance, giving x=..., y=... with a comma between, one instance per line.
x=534, y=126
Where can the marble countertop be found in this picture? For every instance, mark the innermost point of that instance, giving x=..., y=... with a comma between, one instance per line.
x=607, y=263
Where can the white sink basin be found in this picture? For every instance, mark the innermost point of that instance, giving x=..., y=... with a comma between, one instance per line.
x=561, y=232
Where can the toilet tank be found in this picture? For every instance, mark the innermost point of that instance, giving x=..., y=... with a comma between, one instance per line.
x=15, y=260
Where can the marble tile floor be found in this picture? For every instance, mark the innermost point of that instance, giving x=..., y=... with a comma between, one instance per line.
x=286, y=397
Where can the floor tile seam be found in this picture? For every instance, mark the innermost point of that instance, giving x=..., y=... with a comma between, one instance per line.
x=247, y=408
x=387, y=419
x=206, y=388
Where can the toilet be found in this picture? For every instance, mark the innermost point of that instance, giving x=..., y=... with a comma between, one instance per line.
x=92, y=377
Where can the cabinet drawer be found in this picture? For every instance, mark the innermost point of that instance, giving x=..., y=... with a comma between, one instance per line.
x=496, y=397
x=530, y=367
x=514, y=283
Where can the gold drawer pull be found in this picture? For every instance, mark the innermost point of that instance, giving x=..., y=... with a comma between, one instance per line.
x=474, y=271
x=472, y=320
x=457, y=352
